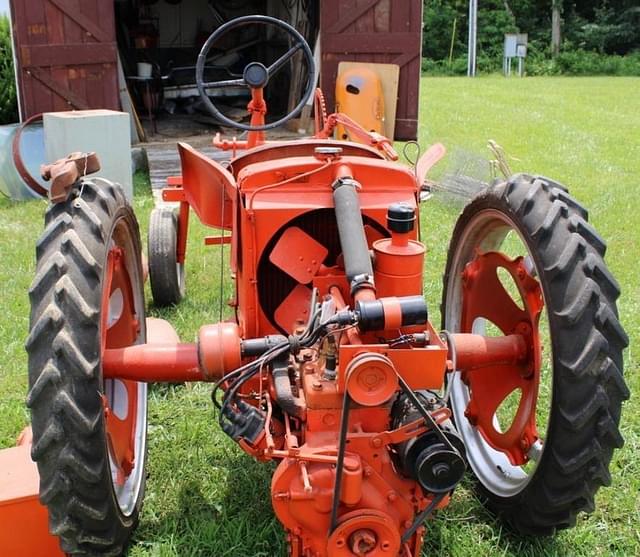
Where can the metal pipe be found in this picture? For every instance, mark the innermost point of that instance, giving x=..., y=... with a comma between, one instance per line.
x=476, y=351
x=153, y=363
x=355, y=249
x=284, y=393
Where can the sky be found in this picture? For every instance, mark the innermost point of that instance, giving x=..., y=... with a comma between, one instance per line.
x=4, y=6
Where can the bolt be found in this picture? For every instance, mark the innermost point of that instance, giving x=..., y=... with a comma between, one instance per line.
x=440, y=470
x=363, y=541
x=368, y=472
x=316, y=386
x=391, y=496
x=376, y=442
x=471, y=415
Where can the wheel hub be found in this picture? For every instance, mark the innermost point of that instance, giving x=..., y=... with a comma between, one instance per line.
x=485, y=297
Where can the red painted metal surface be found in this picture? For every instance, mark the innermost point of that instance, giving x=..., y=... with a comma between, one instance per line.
x=118, y=303
x=339, y=122
x=67, y=55
x=257, y=108
x=382, y=31
x=183, y=230
x=294, y=309
x=399, y=265
x=432, y=156
x=153, y=363
x=476, y=351
x=310, y=256
x=24, y=528
x=276, y=192
x=208, y=187
x=485, y=297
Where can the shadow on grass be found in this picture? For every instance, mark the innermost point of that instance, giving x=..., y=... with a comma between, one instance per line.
x=241, y=524
x=206, y=497
x=466, y=524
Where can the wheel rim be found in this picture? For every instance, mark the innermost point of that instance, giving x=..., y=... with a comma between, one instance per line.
x=125, y=402
x=502, y=454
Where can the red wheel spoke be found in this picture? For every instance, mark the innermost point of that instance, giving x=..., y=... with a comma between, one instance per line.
x=489, y=388
x=486, y=296
x=121, y=432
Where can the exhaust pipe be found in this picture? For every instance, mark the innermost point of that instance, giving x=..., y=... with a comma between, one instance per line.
x=355, y=250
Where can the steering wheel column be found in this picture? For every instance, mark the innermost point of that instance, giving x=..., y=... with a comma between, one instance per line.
x=256, y=77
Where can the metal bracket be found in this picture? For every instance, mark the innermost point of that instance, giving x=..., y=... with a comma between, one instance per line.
x=64, y=173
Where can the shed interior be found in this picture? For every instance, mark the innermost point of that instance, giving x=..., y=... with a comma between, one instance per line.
x=168, y=36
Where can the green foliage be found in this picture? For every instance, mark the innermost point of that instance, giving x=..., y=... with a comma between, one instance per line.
x=8, y=98
x=439, y=16
x=611, y=31
x=580, y=62
x=574, y=62
x=596, y=34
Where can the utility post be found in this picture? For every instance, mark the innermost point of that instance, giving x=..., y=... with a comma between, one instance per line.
x=473, y=38
x=556, y=27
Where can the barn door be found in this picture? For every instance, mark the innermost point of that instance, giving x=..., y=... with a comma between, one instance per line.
x=67, y=55
x=384, y=31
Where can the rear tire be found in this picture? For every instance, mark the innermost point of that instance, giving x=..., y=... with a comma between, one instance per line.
x=587, y=342
x=81, y=303
x=165, y=273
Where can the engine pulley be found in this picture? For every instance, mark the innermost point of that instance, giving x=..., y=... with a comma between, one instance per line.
x=435, y=459
x=437, y=468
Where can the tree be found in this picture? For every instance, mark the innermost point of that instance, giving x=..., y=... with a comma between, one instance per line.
x=556, y=26
x=8, y=98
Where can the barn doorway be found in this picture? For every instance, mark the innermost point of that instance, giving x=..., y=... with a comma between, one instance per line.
x=161, y=39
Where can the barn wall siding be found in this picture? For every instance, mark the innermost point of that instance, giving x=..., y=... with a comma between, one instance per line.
x=66, y=55
x=382, y=31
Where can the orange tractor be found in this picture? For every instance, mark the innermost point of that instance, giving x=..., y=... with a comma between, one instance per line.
x=330, y=366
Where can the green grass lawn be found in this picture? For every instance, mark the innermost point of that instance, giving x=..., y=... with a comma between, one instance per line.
x=206, y=498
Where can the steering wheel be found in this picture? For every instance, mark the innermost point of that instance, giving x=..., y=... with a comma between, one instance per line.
x=256, y=75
